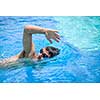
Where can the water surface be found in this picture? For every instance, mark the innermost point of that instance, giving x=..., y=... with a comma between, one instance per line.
x=79, y=58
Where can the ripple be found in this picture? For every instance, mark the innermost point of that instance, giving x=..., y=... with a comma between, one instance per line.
x=79, y=57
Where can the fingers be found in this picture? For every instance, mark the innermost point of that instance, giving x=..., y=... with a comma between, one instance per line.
x=57, y=40
x=57, y=36
x=48, y=38
x=50, y=41
x=53, y=36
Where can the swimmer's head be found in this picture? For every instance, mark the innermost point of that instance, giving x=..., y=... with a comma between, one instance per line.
x=49, y=52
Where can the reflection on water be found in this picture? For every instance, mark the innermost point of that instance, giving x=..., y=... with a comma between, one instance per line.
x=79, y=58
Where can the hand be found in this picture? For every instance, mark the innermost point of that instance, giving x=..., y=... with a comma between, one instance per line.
x=52, y=34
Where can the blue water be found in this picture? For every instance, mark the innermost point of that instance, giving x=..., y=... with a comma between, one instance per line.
x=79, y=58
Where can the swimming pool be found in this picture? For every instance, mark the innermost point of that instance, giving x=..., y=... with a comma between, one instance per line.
x=79, y=58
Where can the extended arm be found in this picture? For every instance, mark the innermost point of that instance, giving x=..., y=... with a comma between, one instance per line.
x=27, y=37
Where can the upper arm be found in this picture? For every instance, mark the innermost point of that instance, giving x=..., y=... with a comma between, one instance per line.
x=28, y=45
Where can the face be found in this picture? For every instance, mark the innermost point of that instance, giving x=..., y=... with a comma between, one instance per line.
x=44, y=54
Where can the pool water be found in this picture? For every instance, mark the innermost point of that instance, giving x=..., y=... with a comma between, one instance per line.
x=79, y=58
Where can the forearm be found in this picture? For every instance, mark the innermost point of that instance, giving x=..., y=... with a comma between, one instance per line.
x=34, y=29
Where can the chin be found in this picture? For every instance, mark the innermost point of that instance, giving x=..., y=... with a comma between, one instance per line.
x=39, y=58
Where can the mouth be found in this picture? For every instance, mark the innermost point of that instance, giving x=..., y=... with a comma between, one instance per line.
x=40, y=57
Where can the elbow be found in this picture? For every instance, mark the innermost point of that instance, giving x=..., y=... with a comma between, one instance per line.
x=26, y=26
x=27, y=29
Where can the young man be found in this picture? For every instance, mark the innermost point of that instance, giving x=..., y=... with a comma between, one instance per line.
x=29, y=46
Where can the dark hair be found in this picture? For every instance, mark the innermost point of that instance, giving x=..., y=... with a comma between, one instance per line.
x=52, y=51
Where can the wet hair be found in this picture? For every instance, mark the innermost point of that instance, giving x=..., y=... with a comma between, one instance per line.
x=52, y=51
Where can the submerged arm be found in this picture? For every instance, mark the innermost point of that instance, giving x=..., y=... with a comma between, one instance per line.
x=6, y=61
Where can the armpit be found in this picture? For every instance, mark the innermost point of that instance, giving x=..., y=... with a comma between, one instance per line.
x=22, y=54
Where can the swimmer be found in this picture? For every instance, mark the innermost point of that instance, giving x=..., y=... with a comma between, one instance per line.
x=29, y=47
